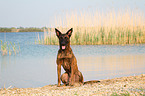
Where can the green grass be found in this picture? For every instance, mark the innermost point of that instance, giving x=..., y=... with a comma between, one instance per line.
x=8, y=48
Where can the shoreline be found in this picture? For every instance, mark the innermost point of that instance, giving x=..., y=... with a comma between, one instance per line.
x=132, y=85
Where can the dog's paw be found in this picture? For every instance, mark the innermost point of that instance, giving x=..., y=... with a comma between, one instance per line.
x=58, y=85
x=71, y=84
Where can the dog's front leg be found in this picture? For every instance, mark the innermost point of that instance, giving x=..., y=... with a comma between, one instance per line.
x=72, y=75
x=59, y=73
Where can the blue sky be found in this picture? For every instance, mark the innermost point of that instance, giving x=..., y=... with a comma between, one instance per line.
x=38, y=13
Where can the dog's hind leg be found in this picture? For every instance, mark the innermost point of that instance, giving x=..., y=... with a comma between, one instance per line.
x=79, y=77
x=65, y=78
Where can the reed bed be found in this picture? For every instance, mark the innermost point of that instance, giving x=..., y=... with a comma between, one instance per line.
x=97, y=28
x=7, y=48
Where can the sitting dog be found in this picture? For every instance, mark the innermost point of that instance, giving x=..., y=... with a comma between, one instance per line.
x=66, y=58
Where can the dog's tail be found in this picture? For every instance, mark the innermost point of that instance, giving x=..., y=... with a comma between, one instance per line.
x=91, y=82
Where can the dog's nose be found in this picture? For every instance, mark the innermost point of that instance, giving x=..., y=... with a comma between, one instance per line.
x=63, y=42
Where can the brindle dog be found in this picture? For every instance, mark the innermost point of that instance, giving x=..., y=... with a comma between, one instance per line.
x=66, y=58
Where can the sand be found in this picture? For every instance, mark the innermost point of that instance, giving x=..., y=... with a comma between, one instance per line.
x=126, y=86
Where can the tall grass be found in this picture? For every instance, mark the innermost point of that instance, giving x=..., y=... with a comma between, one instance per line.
x=4, y=49
x=7, y=48
x=95, y=28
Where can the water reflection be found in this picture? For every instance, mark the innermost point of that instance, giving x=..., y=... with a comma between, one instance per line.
x=103, y=67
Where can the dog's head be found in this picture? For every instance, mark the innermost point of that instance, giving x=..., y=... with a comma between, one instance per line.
x=64, y=39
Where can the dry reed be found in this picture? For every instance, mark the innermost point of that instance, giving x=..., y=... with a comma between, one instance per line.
x=95, y=28
x=7, y=48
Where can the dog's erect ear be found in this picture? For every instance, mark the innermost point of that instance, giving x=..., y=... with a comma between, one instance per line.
x=69, y=32
x=58, y=33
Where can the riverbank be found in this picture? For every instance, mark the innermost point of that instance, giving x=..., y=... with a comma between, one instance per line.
x=21, y=29
x=128, y=86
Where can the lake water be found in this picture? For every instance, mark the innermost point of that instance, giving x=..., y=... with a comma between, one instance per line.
x=35, y=65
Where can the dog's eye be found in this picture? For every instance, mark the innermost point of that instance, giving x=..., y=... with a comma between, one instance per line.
x=61, y=38
x=65, y=37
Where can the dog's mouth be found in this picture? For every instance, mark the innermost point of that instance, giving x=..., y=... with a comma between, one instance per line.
x=63, y=47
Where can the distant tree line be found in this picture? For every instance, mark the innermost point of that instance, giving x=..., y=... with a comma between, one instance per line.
x=22, y=29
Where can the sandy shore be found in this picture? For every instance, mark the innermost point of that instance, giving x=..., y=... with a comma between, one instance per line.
x=126, y=86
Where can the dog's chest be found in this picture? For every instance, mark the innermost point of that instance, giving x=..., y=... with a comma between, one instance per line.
x=66, y=64
x=65, y=59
